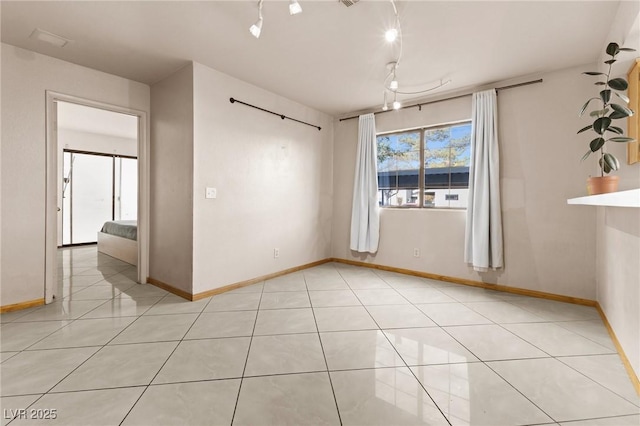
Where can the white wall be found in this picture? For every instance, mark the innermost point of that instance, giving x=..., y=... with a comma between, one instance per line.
x=25, y=78
x=171, y=212
x=273, y=179
x=618, y=261
x=618, y=229
x=548, y=245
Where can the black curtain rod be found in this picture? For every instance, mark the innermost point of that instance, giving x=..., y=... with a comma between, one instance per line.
x=526, y=83
x=282, y=116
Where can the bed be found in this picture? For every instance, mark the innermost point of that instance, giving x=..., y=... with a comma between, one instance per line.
x=119, y=239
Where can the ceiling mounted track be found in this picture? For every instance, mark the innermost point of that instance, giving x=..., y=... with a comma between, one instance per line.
x=282, y=116
x=421, y=104
x=349, y=3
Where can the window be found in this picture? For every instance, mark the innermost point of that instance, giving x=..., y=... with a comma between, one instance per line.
x=427, y=167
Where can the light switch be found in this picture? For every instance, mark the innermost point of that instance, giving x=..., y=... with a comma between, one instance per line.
x=211, y=193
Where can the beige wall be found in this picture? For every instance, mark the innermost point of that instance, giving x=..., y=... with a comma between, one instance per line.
x=171, y=201
x=618, y=229
x=25, y=78
x=273, y=179
x=548, y=245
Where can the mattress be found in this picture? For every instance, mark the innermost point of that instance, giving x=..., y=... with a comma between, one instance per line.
x=122, y=228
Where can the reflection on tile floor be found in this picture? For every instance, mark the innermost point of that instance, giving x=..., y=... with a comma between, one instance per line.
x=334, y=344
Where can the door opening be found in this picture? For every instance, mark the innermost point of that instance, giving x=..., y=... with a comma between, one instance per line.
x=96, y=173
x=96, y=188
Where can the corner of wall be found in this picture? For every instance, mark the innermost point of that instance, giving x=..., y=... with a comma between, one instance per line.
x=171, y=181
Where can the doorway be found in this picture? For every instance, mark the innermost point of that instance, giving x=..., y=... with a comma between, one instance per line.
x=97, y=172
x=96, y=188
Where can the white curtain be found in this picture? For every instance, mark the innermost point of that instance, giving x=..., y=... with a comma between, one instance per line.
x=365, y=214
x=483, y=236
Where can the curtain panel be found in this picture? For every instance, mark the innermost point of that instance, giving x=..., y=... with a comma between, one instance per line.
x=483, y=233
x=365, y=213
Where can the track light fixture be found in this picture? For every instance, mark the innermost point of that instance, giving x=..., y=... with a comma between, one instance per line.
x=391, y=35
x=394, y=82
x=294, y=7
x=396, y=103
x=391, y=81
x=256, y=28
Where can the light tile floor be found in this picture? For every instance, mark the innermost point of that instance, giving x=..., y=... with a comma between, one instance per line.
x=334, y=344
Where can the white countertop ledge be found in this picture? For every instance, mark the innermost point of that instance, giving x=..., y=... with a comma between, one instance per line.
x=630, y=198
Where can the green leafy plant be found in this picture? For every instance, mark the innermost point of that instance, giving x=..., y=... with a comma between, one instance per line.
x=607, y=111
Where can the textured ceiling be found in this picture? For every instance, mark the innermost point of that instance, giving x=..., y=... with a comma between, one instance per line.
x=330, y=57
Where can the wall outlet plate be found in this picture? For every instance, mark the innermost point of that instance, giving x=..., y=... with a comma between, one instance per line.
x=211, y=193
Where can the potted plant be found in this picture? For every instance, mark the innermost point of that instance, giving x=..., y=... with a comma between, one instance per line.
x=604, y=114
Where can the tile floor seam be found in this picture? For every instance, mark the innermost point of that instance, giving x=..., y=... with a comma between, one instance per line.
x=581, y=335
x=550, y=311
x=520, y=392
x=71, y=321
x=518, y=337
x=246, y=360
x=165, y=361
x=27, y=407
x=406, y=365
x=637, y=403
x=324, y=355
x=501, y=325
x=547, y=352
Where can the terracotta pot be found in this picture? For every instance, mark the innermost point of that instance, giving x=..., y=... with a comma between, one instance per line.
x=602, y=184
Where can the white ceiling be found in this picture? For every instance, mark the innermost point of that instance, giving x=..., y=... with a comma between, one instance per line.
x=93, y=120
x=330, y=57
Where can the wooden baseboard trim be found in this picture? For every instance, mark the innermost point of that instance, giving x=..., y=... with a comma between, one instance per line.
x=21, y=305
x=472, y=283
x=170, y=288
x=623, y=357
x=252, y=281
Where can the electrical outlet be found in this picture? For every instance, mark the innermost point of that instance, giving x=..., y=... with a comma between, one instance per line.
x=416, y=252
x=276, y=253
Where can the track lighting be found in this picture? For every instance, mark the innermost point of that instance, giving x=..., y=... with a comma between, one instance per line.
x=392, y=67
x=256, y=28
x=396, y=104
x=294, y=7
x=391, y=35
x=394, y=84
x=390, y=82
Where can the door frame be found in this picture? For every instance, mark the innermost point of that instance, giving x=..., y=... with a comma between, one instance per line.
x=52, y=180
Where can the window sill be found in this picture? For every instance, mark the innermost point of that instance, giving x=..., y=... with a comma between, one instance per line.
x=630, y=198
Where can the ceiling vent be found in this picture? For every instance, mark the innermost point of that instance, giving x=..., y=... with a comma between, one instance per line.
x=349, y=3
x=49, y=38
